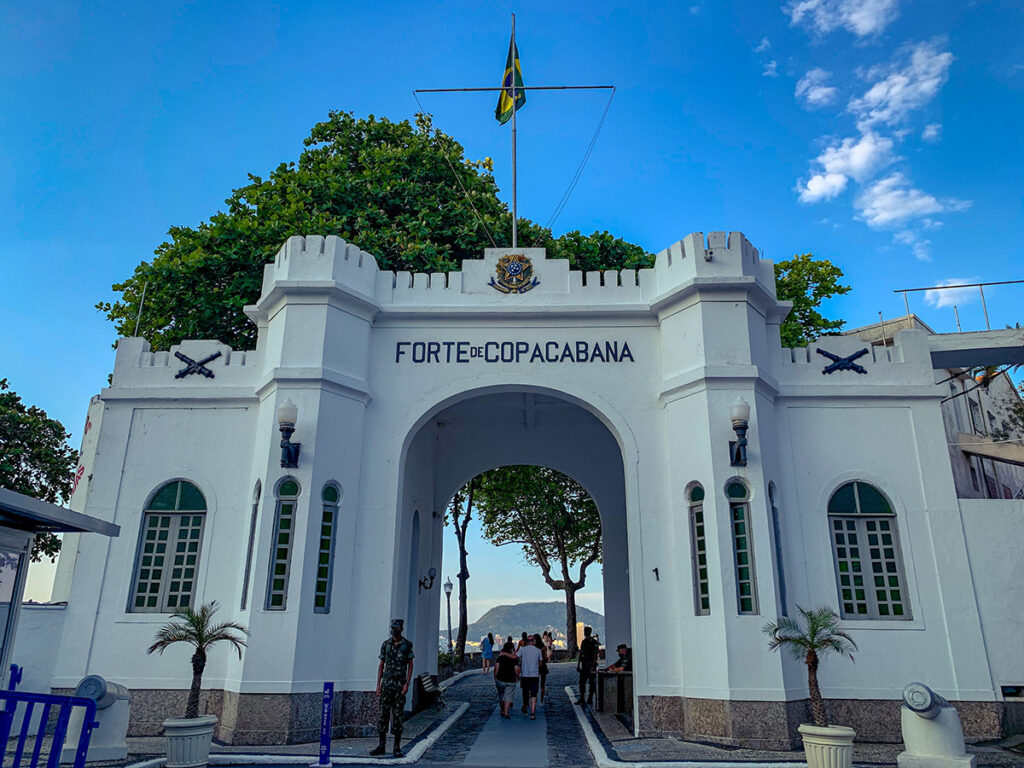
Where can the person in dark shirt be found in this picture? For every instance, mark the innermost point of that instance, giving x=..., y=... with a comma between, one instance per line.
x=587, y=667
x=625, y=661
x=505, y=677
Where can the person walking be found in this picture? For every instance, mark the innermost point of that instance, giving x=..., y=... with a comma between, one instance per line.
x=529, y=674
x=538, y=641
x=487, y=651
x=394, y=674
x=522, y=641
x=586, y=665
x=505, y=678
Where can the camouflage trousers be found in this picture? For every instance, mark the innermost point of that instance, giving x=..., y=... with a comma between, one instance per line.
x=392, y=706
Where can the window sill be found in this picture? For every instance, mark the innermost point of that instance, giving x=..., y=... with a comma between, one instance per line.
x=848, y=625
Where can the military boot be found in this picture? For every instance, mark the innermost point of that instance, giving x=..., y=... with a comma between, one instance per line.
x=397, y=751
x=380, y=749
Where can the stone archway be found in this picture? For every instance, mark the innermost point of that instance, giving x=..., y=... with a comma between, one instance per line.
x=487, y=429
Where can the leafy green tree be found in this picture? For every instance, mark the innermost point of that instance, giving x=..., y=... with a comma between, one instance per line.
x=552, y=517
x=807, y=281
x=35, y=459
x=196, y=628
x=818, y=636
x=403, y=192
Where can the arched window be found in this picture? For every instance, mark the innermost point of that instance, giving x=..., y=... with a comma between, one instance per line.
x=169, y=548
x=866, y=548
x=699, y=551
x=281, y=546
x=256, y=493
x=742, y=547
x=780, y=570
x=331, y=498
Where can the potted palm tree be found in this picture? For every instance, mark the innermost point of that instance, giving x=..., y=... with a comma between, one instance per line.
x=818, y=635
x=189, y=737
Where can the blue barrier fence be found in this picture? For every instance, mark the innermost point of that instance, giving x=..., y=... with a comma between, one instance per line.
x=35, y=746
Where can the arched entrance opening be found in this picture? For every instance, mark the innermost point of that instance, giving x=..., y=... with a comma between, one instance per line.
x=482, y=430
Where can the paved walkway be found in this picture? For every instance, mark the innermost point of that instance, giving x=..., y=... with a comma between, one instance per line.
x=483, y=739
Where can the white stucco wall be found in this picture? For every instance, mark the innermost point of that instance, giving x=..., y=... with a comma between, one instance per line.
x=339, y=338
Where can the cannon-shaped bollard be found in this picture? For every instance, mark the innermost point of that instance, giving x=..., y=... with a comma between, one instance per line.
x=932, y=733
x=107, y=740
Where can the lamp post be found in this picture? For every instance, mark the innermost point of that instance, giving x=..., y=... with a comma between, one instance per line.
x=287, y=415
x=739, y=414
x=448, y=586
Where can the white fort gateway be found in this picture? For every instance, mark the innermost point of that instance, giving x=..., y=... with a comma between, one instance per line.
x=402, y=387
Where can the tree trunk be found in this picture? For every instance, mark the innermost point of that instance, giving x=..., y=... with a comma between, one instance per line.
x=817, y=704
x=198, y=665
x=463, y=575
x=570, y=619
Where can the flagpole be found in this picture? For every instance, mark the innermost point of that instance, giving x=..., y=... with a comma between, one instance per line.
x=515, y=212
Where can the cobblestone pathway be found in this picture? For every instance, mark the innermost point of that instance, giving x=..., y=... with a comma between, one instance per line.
x=566, y=746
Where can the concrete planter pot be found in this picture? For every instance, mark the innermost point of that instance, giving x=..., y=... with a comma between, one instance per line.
x=188, y=740
x=829, y=747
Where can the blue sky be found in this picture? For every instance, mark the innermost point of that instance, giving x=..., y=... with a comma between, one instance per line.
x=883, y=135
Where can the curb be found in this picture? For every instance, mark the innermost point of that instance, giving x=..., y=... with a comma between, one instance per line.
x=413, y=755
x=603, y=760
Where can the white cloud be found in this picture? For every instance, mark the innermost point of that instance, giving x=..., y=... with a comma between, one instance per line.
x=918, y=245
x=859, y=158
x=908, y=83
x=813, y=90
x=852, y=158
x=864, y=18
x=932, y=132
x=694, y=10
x=951, y=296
x=821, y=186
x=771, y=69
x=892, y=201
x=763, y=46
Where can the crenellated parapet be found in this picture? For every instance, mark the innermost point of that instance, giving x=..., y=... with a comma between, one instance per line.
x=311, y=263
x=189, y=363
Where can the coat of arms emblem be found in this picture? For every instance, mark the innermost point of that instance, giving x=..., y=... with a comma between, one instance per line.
x=514, y=274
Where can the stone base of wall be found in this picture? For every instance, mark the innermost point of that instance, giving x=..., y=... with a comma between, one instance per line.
x=294, y=718
x=773, y=724
x=255, y=718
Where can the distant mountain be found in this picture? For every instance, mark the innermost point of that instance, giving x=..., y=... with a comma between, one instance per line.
x=505, y=620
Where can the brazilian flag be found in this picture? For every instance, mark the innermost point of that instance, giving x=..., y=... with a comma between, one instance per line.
x=503, y=112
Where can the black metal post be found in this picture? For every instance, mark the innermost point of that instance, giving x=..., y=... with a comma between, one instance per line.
x=449, y=622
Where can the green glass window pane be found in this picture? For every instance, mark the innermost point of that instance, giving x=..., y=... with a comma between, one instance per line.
x=843, y=501
x=741, y=542
x=741, y=558
x=140, y=602
x=705, y=603
x=166, y=497
x=862, y=608
x=880, y=594
x=288, y=488
x=743, y=573
x=325, y=531
x=696, y=493
x=162, y=535
x=282, y=553
x=151, y=602
x=324, y=558
x=896, y=596
x=191, y=498
x=321, y=572
x=871, y=501
x=286, y=523
x=276, y=600
x=879, y=581
x=328, y=516
x=741, y=529
x=746, y=605
x=736, y=490
x=321, y=601
x=897, y=610
x=282, y=539
x=745, y=588
x=859, y=594
x=175, y=586
x=279, y=569
x=883, y=610
x=330, y=494
x=703, y=573
x=186, y=586
x=278, y=585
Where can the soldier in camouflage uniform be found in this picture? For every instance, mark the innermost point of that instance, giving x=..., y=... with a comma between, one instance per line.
x=394, y=674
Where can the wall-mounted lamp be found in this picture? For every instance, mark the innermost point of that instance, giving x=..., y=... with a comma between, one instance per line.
x=287, y=415
x=739, y=413
x=428, y=581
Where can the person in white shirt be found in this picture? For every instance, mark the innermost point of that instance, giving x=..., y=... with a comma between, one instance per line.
x=529, y=673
